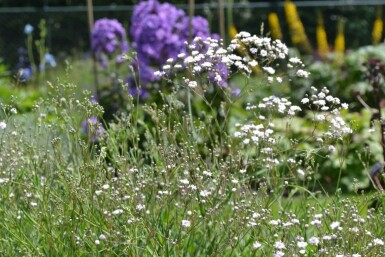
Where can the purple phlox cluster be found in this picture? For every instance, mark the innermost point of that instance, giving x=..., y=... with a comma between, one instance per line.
x=109, y=38
x=159, y=32
x=24, y=68
x=93, y=128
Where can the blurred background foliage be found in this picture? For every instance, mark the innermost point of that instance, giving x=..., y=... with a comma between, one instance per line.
x=63, y=16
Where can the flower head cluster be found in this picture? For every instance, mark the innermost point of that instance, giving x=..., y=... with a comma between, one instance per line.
x=93, y=128
x=328, y=108
x=208, y=55
x=159, y=32
x=108, y=38
x=24, y=67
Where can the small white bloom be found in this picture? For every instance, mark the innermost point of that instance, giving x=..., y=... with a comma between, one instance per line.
x=334, y=225
x=253, y=63
x=257, y=245
x=117, y=212
x=97, y=242
x=140, y=207
x=192, y=84
x=378, y=241
x=302, y=74
x=186, y=223
x=204, y=193
x=314, y=240
x=279, y=245
x=3, y=125
x=301, y=244
x=184, y=181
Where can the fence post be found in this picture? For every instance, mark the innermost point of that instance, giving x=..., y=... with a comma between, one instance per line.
x=90, y=14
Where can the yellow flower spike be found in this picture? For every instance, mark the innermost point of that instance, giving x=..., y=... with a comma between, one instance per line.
x=297, y=31
x=322, y=41
x=233, y=31
x=275, y=28
x=378, y=27
x=339, y=43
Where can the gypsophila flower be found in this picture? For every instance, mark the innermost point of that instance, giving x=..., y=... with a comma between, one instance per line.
x=186, y=223
x=117, y=212
x=314, y=240
x=301, y=244
x=279, y=245
x=279, y=254
x=256, y=245
x=378, y=241
x=334, y=225
x=3, y=125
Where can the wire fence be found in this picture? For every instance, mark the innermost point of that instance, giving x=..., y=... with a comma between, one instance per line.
x=68, y=33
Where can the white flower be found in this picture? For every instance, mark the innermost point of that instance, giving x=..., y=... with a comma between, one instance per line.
x=279, y=254
x=279, y=245
x=117, y=212
x=269, y=70
x=257, y=245
x=140, y=207
x=302, y=74
x=320, y=117
x=186, y=223
x=314, y=240
x=331, y=149
x=295, y=60
x=3, y=125
x=305, y=100
x=102, y=237
x=192, y=84
x=301, y=244
x=97, y=242
x=334, y=225
x=345, y=106
x=184, y=181
x=253, y=63
x=378, y=241
x=204, y=193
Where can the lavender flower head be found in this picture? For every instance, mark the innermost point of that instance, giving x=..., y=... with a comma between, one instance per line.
x=108, y=38
x=94, y=129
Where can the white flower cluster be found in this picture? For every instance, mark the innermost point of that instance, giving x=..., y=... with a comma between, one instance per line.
x=283, y=105
x=245, y=53
x=255, y=133
x=328, y=111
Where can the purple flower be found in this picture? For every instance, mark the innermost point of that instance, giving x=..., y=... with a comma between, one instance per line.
x=25, y=74
x=93, y=128
x=108, y=38
x=159, y=32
